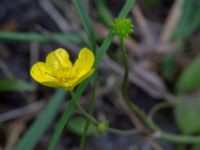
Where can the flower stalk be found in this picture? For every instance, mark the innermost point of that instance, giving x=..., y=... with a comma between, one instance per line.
x=124, y=90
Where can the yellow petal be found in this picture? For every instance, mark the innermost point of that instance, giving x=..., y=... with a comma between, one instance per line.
x=83, y=77
x=58, y=59
x=84, y=62
x=41, y=73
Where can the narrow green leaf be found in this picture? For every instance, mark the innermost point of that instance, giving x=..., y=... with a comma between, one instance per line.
x=42, y=123
x=189, y=20
x=86, y=23
x=104, y=13
x=187, y=112
x=33, y=36
x=190, y=78
x=196, y=147
x=16, y=85
x=76, y=125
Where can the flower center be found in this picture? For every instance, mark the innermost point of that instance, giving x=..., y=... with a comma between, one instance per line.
x=64, y=74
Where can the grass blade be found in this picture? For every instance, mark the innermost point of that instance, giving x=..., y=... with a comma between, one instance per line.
x=16, y=85
x=86, y=23
x=42, y=123
x=33, y=36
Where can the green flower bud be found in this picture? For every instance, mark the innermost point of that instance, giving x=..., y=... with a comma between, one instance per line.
x=102, y=126
x=122, y=27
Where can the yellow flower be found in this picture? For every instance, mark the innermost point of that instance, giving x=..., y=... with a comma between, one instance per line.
x=58, y=70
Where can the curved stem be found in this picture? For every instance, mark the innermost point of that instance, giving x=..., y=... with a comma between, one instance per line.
x=158, y=107
x=90, y=111
x=124, y=90
x=152, y=112
x=84, y=113
x=159, y=134
x=123, y=132
x=187, y=139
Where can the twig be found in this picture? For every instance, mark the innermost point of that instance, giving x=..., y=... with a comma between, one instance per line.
x=56, y=16
x=14, y=130
x=143, y=25
x=34, y=54
x=13, y=114
x=4, y=68
x=171, y=21
x=129, y=112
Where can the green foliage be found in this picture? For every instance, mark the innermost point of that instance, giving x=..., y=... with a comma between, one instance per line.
x=152, y=3
x=187, y=112
x=76, y=125
x=190, y=78
x=22, y=36
x=168, y=66
x=188, y=23
x=86, y=23
x=104, y=14
x=189, y=20
x=42, y=123
x=196, y=147
x=16, y=85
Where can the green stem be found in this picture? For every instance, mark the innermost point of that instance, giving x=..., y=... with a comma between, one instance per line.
x=159, y=134
x=84, y=113
x=123, y=132
x=79, y=5
x=90, y=111
x=95, y=122
x=158, y=107
x=152, y=112
x=187, y=139
x=86, y=23
x=124, y=88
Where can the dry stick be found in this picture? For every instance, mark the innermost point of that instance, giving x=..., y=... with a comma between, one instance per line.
x=171, y=21
x=127, y=109
x=14, y=130
x=20, y=112
x=71, y=15
x=18, y=130
x=56, y=16
x=144, y=28
x=34, y=108
x=8, y=73
x=155, y=145
x=143, y=25
x=34, y=54
x=4, y=68
x=68, y=45
x=129, y=113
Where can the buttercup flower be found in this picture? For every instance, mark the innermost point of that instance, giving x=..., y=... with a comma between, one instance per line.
x=58, y=70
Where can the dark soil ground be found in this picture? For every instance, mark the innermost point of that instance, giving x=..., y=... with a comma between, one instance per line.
x=16, y=59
